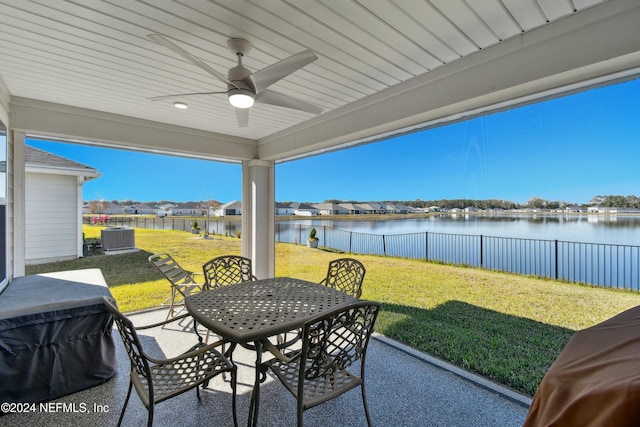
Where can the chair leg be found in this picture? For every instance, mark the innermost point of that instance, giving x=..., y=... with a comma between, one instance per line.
x=224, y=374
x=195, y=329
x=366, y=407
x=126, y=401
x=300, y=407
x=228, y=354
x=150, y=420
x=234, y=387
x=172, y=305
x=206, y=338
x=300, y=417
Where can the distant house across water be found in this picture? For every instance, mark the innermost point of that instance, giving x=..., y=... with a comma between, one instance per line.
x=229, y=209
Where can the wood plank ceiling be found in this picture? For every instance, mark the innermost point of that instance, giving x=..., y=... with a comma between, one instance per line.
x=95, y=54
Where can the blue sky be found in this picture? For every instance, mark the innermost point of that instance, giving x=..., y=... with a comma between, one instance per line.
x=570, y=149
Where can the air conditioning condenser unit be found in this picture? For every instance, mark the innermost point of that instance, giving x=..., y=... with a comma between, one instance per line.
x=117, y=238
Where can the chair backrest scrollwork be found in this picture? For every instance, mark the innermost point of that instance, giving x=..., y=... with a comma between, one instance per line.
x=346, y=275
x=338, y=339
x=227, y=270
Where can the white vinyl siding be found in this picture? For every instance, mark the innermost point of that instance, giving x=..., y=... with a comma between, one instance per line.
x=51, y=213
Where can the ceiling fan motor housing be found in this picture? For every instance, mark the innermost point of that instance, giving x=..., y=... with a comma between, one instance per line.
x=240, y=76
x=243, y=94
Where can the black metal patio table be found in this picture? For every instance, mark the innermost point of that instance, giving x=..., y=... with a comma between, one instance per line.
x=251, y=312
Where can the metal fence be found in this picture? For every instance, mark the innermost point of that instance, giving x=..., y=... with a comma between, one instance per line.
x=214, y=226
x=607, y=265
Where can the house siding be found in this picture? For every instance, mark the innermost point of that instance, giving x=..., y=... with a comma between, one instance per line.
x=51, y=196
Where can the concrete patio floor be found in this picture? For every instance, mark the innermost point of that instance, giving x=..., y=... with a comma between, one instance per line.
x=404, y=388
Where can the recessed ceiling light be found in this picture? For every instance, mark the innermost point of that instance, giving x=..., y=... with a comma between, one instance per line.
x=180, y=105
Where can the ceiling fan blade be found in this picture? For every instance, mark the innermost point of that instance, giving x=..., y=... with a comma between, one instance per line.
x=271, y=74
x=178, y=95
x=275, y=98
x=160, y=39
x=242, y=114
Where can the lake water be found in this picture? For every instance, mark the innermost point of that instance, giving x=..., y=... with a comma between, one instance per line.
x=611, y=229
x=596, y=249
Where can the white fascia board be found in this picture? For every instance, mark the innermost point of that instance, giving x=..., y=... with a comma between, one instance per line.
x=560, y=57
x=88, y=174
x=46, y=120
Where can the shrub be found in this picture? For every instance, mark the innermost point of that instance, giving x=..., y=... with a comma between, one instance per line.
x=312, y=234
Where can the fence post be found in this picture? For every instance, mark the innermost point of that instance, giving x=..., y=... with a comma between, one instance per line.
x=350, y=239
x=426, y=245
x=324, y=236
x=481, y=257
x=384, y=246
x=556, y=259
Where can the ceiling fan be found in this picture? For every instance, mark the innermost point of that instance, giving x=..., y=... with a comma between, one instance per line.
x=244, y=87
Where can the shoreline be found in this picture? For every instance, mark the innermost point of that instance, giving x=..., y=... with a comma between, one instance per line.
x=368, y=217
x=390, y=216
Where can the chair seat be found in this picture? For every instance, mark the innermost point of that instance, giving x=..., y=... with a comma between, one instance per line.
x=171, y=379
x=316, y=390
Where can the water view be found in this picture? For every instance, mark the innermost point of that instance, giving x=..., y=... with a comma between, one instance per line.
x=597, y=249
x=611, y=229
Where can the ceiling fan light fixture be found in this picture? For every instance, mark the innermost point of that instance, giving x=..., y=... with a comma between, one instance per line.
x=181, y=105
x=241, y=98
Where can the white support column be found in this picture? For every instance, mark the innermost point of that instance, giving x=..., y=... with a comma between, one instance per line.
x=19, y=236
x=258, y=216
x=246, y=211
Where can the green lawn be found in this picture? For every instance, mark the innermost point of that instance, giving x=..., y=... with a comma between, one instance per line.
x=504, y=327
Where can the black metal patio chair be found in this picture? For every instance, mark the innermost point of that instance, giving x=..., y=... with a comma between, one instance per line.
x=157, y=380
x=319, y=371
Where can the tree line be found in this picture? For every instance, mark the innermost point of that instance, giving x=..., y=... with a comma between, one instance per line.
x=533, y=203
x=616, y=201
